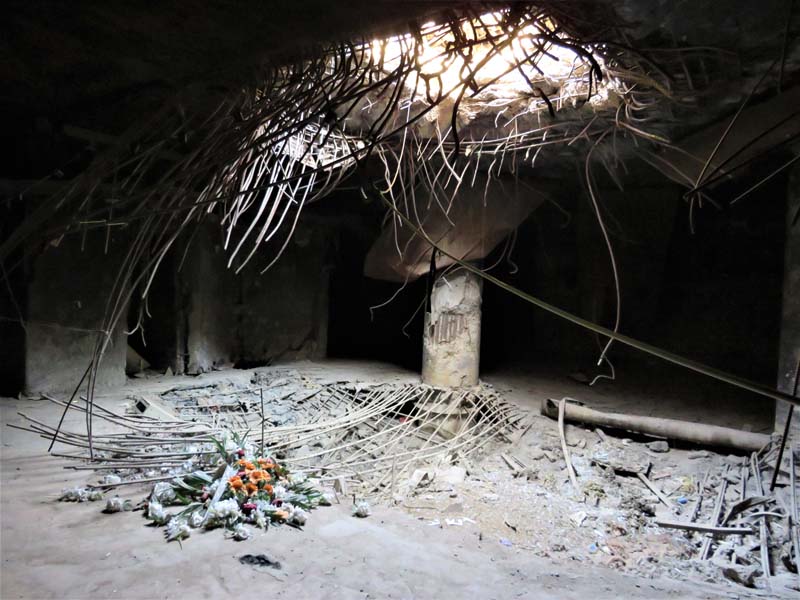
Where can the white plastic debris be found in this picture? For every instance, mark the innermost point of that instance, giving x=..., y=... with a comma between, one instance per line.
x=112, y=479
x=79, y=494
x=361, y=509
x=117, y=504
x=578, y=517
x=156, y=512
x=163, y=492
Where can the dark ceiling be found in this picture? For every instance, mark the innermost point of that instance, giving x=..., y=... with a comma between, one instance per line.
x=102, y=65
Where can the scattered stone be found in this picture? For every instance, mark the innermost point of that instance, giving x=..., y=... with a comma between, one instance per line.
x=659, y=446
x=695, y=454
x=549, y=456
x=455, y=508
x=741, y=574
x=452, y=475
x=731, y=477
x=259, y=560
x=536, y=454
x=578, y=518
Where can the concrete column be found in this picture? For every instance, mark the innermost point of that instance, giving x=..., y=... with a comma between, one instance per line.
x=790, y=318
x=451, y=340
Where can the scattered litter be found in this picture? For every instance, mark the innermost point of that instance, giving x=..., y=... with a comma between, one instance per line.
x=259, y=560
x=80, y=494
x=506, y=542
x=117, y=504
x=578, y=518
x=361, y=509
x=592, y=548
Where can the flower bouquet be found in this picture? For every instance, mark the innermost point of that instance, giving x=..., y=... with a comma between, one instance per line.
x=248, y=489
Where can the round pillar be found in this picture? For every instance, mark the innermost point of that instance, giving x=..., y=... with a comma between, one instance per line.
x=451, y=340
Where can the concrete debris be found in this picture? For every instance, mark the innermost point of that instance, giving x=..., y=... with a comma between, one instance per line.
x=659, y=446
x=452, y=475
x=578, y=518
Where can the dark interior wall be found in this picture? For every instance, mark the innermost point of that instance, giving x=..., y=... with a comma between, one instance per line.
x=713, y=296
x=13, y=306
x=68, y=288
x=202, y=315
x=722, y=298
x=159, y=336
x=371, y=319
x=283, y=313
x=206, y=302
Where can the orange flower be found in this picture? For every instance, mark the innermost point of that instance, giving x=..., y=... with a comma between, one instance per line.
x=256, y=476
x=251, y=488
x=280, y=514
x=236, y=482
x=265, y=463
x=268, y=489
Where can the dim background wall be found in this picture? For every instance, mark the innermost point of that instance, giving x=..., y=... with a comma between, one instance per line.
x=67, y=292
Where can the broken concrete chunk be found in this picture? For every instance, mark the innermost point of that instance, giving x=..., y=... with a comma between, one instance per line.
x=743, y=575
x=419, y=477
x=578, y=517
x=452, y=475
x=659, y=446
x=695, y=454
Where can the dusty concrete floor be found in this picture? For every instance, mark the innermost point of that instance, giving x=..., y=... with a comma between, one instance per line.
x=51, y=549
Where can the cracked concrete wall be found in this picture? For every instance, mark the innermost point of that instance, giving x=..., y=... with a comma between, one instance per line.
x=67, y=294
x=208, y=296
x=451, y=339
x=284, y=312
x=252, y=318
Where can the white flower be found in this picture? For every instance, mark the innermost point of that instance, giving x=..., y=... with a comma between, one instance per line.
x=156, y=512
x=298, y=516
x=361, y=509
x=178, y=529
x=240, y=533
x=260, y=519
x=114, y=504
x=112, y=479
x=230, y=445
x=79, y=494
x=297, y=478
x=163, y=492
x=196, y=519
x=224, y=509
x=280, y=492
